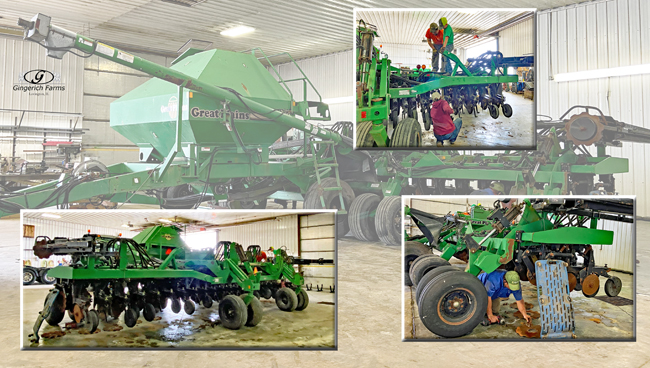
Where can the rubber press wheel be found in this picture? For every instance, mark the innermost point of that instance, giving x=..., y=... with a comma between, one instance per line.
x=149, y=312
x=303, y=300
x=494, y=112
x=430, y=276
x=452, y=304
x=189, y=307
x=364, y=139
x=424, y=264
x=233, y=312
x=613, y=286
x=426, y=118
x=92, y=319
x=388, y=220
x=130, y=317
x=332, y=201
x=266, y=292
x=361, y=216
x=407, y=134
x=57, y=312
x=206, y=301
x=176, y=305
x=286, y=299
x=29, y=277
x=254, y=310
x=507, y=110
x=412, y=250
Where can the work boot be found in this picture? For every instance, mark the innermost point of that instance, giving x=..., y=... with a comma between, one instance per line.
x=439, y=144
x=452, y=143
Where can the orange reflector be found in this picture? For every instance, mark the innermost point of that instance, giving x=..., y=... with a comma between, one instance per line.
x=249, y=286
x=120, y=234
x=255, y=271
x=191, y=94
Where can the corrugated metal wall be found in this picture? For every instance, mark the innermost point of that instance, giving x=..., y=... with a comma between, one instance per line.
x=105, y=82
x=281, y=232
x=518, y=40
x=318, y=240
x=57, y=228
x=331, y=75
x=18, y=57
x=593, y=36
x=620, y=255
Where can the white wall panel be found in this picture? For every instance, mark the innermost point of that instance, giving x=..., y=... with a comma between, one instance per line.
x=330, y=74
x=593, y=36
x=281, y=232
x=620, y=255
x=318, y=240
x=43, y=227
x=518, y=40
x=18, y=57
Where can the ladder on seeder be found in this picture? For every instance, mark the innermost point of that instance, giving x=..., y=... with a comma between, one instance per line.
x=554, y=299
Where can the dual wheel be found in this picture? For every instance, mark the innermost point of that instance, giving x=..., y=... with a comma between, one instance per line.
x=407, y=133
x=451, y=303
x=372, y=218
x=494, y=110
x=30, y=276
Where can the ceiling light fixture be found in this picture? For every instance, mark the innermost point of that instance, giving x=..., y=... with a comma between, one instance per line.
x=603, y=73
x=51, y=215
x=165, y=221
x=237, y=31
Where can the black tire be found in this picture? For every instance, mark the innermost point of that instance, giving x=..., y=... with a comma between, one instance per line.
x=189, y=307
x=419, y=269
x=312, y=201
x=507, y=110
x=394, y=117
x=57, y=312
x=178, y=191
x=364, y=139
x=407, y=134
x=47, y=279
x=494, y=112
x=286, y=299
x=92, y=320
x=388, y=220
x=613, y=286
x=233, y=312
x=412, y=113
x=437, y=314
x=266, y=292
x=176, y=305
x=254, y=310
x=430, y=276
x=412, y=250
x=130, y=317
x=29, y=276
x=361, y=217
x=248, y=205
x=149, y=312
x=207, y=301
x=303, y=300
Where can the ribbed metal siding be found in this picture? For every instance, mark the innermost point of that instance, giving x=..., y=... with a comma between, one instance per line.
x=330, y=74
x=620, y=255
x=518, y=40
x=18, y=57
x=56, y=228
x=594, y=36
x=282, y=232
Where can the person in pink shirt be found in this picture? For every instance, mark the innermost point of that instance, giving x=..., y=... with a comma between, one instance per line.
x=444, y=128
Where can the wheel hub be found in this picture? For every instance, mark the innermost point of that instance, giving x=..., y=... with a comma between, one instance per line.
x=455, y=303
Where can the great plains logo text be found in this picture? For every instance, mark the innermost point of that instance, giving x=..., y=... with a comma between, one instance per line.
x=219, y=114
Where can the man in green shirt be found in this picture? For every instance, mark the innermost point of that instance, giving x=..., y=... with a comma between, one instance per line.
x=447, y=44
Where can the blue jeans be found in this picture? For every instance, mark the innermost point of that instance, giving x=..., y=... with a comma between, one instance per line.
x=435, y=57
x=453, y=135
x=446, y=62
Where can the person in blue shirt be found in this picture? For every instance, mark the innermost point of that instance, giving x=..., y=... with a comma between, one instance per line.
x=496, y=188
x=501, y=284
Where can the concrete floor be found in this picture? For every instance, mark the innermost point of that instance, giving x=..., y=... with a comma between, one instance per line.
x=594, y=319
x=369, y=326
x=310, y=328
x=484, y=132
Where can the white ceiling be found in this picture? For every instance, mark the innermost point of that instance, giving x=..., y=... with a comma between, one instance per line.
x=409, y=27
x=304, y=28
x=138, y=218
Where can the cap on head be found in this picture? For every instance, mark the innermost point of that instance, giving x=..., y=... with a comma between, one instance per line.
x=443, y=21
x=436, y=96
x=497, y=186
x=433, y=27
x=512, y=278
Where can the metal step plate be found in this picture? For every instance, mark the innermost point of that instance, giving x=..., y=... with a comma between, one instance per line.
x=554, y=300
